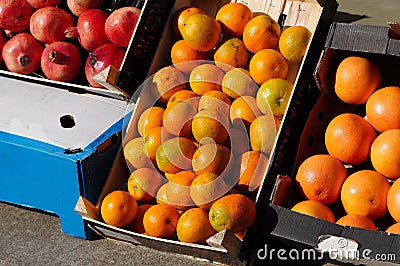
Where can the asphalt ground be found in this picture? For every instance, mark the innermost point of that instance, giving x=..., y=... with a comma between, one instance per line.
x=31, y=237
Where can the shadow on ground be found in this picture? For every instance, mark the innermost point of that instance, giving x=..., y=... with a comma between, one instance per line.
x=347, y=17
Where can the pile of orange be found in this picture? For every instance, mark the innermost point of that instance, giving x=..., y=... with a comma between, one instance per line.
x=362, y=167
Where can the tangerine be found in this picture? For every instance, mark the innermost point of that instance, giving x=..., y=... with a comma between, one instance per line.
x=315, y=209
x=261, y=32
x=233, y=17
x=118, y=208
x=393, y=200
x=267, y=64
x=160, y=221
x=357, y=220
x=181, y=52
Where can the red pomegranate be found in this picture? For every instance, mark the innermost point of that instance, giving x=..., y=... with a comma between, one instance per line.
x=90, y=29
x=120, y=25
x=61, y=61
x=22, y=54
x=37, y=4
x=77, y=7
x=103, y=56
x=48, y=24
x=3, y=41
x=15, y=15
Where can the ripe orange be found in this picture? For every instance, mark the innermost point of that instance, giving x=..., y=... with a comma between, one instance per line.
x=180, y=17
x=160, y=221
x=161, y=196
x=293, y=43
x=357, y=220
x=207, y=188
x=182, y=56
x=244, y=111
x=385, y=153
x=150, y=118
x=205, y=77
x=166, y=82
x=267, y=64
x=211, y=158
x=393, y=229
x=153, y=139
x=233, y=17
x=215, y=100
x=177, y=118
x=210, y=124
x=137, y=224
x=261, y=32
x=253, y=165
x=365, y=192
x=393, y=200
x=315, y=209
x=144, y=183
x=349, y=137
x=136, y=155
x=320, y=178
x=231, y=52
x=201, y=32
x=237, y=82
x=194, y=226
x=262, y=134
x=178, y=190
x=183, y=95
x=383, y=108
x=356, y=79
x=118, y=208
x=175, y=155
x=234, y=212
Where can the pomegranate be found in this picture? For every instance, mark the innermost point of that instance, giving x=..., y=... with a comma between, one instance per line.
x=77, y=7
x=37, y=4
x=61, y=61
x=48, y=24
x=15, y=15
x=22, y=54
x=103, y=56
x=2, y=43
x=90, y=29
x=120, y=25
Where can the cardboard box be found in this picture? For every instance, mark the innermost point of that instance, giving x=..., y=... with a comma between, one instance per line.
x=138, y=56
x=56, y=146
x=224, y=247
x=304, y=136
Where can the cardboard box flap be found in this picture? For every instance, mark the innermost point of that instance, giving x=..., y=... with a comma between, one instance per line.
x=57, y=117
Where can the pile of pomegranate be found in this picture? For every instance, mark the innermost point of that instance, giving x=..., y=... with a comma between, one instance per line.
x=63, y=39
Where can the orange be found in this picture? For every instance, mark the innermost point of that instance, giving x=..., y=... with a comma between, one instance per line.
x=233, y=17
x=161, y=196
x=144, y=183
x=349, y=137
x=160, y=221
x=320, y=178
x=118, y=208
x=182, y=56
x=175, y=155
x=365, y=192
x=393, y=229
x=201, y=32
x=244, y=111
x=356, y=79
x=137, y=224
x=210, y=124
x=178, y=190
x=238, y=141
x=177, y=118
x=237, y=82
x=194, y=226
x=267, y=64
x=393, y=200
x=153, y=140
x=383, y=108
x=253, y=167
x=150, y=118
x=385, y=153
x=166, y=82
x=356, y=220
x=205, y=77
x=183, y=95
x=211, y=158
x=262, y=134
x=207, y=188
x=234, y=212
x=180, y=17
x=278, y=123
x=261, y=32
x=293, y=43
x=215, y=100
x=136, y=155
x=231, y=52
x=315, y=209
